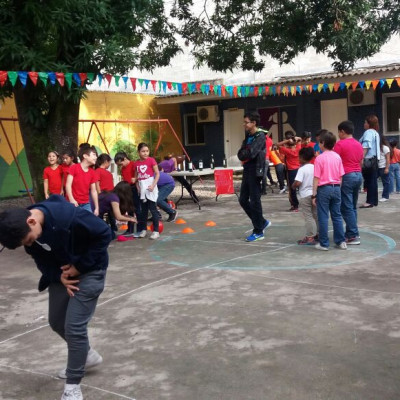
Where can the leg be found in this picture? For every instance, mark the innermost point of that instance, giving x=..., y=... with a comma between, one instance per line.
x=323, y=200
x=307, y=210
x=293, y=196
x=338, y=232
x=349, y=194
x=154, y=214
x=255, y=205
x=245, y=194
x=264, y=182
x=280, y=175
x=385, y=183
x=163, y=193
x=142, y=223
x=58, y=304
x=371, y=181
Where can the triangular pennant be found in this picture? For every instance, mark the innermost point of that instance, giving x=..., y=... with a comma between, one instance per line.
x=320, y=87
x=125, y=79
x=153, y=83
x=90, y=77
x=68, y=79
x=184, y=87
x=342, y=86
x=140, y=82
x=43, y=77
x=315, y=87
x=3, y=77
x=348, y=84
x=223, y=90
x=191, y=88
x=382, y=82
x=100, y=76
x=210, y=88
x=278, y=90
x=273, y=89
x=133, y=83
x=361, y=84
x=354, y=85
x=336, y=86
x=12, y=76
x=116, y=80
x=60, y=78
x=267, y=89
x=260, y=91
x=374, y=84
x=203, y=88
x=368, y=84
x=330, y=86
x=398, y=81
x=235, y=91
x=298, y=89
x=174, y=84
x=325, y=87
x=159, y=86
x=52, y=77
x=76, y=78
x=198, y=87
x=169, y=85
x=23, y=76
x=146, y=83
x=83, y=76
x=179, y=88
x=34, y=77
x=389, y=82
x=293, y=90
x=246, y=91
x=164, y=87
x=108, y=78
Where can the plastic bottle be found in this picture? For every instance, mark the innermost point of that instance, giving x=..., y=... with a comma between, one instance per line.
x=200, y=165
x=190, y=166
x=212, y=162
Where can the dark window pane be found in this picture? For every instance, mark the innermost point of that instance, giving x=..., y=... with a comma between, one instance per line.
x=191, y=129
x=200, y=133
x=393, y=114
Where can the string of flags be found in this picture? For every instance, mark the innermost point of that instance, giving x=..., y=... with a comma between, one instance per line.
x=81, y=78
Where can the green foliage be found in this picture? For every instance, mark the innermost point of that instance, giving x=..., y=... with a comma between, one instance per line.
x=126, y=146
x=150, y=137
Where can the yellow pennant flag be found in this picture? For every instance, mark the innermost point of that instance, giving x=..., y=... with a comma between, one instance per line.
x=320, y=87
x=293, y=90
x=368, y=84
x=389, y=82
x=348, y=84
x=330, y=86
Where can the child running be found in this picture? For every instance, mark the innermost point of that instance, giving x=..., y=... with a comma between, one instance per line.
x=105, y=180
x=53, y=176
x=304, y=181
x=328, y=172
x=147, y=175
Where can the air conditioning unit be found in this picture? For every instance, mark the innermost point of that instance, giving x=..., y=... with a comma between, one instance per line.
x=207, y=114
x=360, y=97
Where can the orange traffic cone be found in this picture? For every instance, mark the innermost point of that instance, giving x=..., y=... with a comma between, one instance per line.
x=180, y=221
x=187, y=230
x=124, y=227
x=210, y=223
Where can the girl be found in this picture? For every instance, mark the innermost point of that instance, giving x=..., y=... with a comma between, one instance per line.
x=68, y=159
x=394, y=169
x=105, y=181
x=383, y=168
x=53, y=176
x=146, y=176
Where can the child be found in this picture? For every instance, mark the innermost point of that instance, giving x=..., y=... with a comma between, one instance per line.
x=304, y=181
x=328, y=172
x=290, y=149
x=53, y=176
x=166, y=185
x=69, y=247
x=82, y=179
x=105, y=180
x=68, y=159
x=146, y=176
x=383, y=168
x=274, y=157
x=394, y=169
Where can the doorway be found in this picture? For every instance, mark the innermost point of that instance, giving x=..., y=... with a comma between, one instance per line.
x=333, y=112
x=233, y=135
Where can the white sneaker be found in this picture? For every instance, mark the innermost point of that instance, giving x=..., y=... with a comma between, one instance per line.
x=383, y=199
x=155, y=235
x=283, y=190
x=93, y=358
x=72, y=392
x=341, y=246
x=319, y=247
x=143, y=234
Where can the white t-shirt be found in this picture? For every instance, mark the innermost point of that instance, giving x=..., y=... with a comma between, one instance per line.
x=382, y=161
x=305, y=175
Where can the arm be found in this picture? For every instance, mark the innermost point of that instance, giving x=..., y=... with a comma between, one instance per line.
x=46, y=188
x=156, y=178
x=117, y=213
x=251, y=152
x=68, y=188
x=95, y=198
x=98, y=187
x=296, y=184
x=387, y=156
x=314, y=192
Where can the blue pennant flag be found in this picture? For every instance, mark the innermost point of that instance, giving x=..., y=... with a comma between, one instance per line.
x=23, y=76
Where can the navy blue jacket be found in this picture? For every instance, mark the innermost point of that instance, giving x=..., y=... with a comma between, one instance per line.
x=75, y=237
x=252, y=152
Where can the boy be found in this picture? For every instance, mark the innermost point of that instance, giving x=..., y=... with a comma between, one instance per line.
x=304, y=181
x=328, y=172
x=82, y=179
x=69, y=247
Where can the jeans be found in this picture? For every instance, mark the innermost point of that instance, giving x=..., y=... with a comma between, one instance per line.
x=250, y=199
x=292, y=192
x=371, y=184
x=163, y=193
x=267, y=174
x=394, y=172
x=350, y=187
x=385, y=178
x=280, y=175
x=86, y=207
x=328, y=201
x=69, y=317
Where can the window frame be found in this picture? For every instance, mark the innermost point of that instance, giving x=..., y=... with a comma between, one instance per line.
x=185, y=129
x=385, y=96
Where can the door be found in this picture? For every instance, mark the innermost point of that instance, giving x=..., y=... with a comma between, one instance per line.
x=233, y=135
x=333, y=112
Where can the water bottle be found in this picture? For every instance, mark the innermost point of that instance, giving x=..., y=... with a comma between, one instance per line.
x=190, y=166
x=200, y=165
x=224, y=163
x=212, y=162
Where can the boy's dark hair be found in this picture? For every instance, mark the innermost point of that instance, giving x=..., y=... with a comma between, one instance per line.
x=289, y=135
x=85, y=149
x=320, y=132
x=141, y=145
x=120, y=156
x=307, y=153
x=13, y=227
x=393, y=142
x=70, y=153
x=347, y=127
x=253, y=116
x=305, y=135
x=101, y=159
x=328, y=139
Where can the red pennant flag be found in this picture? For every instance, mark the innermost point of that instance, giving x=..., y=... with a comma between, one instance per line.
x=235, y=91
x=354, y=85
x=211, y=88
x=184, y=87
x=60, y=78
x=108, y=77
x=153, y=83
x=375, y=84
x=34, y=77
x=3, y=77
x=198, y=87
x=169, y=85
x=278, y=89
x=266, y=89
x=223, y=90
x=336, y=86
x=83, y=76
x=133, y=82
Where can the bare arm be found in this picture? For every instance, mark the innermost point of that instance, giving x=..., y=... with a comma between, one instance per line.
x=95, y=198
x=156, y=178
x=46, y=188
x=296, y=184
x=117, y=213
x=68, y=188
x=315, y=188
x=98, y=187
x=387, y=156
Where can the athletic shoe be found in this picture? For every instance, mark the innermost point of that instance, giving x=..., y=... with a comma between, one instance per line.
x=172, y=217
x=142, y=234
x=267, y=224
x=319, y=247
x=254, y=237
x=283, y=190
x=354, y=240
x=72, y=392
x=316, y=238
x=294, y=209
x=383, y=199
x=341, y=246
x=307, y=241
x=93, y=358
x=127, y=234
x=154, y=235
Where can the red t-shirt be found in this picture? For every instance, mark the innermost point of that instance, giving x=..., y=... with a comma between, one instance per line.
x=105, y=179
x=54, y=176
x=268, y=145
x=128, y=172
x=144, y=168
x=351, y=152
x=81, y=183
x=396, y=156
x=292, y=156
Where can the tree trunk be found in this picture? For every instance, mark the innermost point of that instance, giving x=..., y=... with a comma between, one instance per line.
x=48, y=121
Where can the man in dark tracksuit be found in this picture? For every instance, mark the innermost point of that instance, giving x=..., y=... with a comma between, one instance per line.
x=252, y=155
x=69, y=247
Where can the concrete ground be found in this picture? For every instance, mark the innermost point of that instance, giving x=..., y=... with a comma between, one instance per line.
x=209, y=316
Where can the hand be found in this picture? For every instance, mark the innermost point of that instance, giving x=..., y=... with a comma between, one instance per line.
x=150, y=188
x=74, y=202
x=69, y=285
x=314, y=202
x=96, y=212
x=46, y=196
x=133, y=219
x=69, y=270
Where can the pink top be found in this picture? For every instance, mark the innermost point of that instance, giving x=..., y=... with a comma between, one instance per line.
x=144, y=168
x=351, y=153
x=328, y=167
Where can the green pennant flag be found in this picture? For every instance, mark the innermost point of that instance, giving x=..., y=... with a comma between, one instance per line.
x=117, y=78
x=12, y=76
x=43, y=76
x=203, y=88
x=90, y=77
x=247, y=91
x=68, y=79
x=216, y=89
x=260, y=90
x=159, y=86
x=174, y=85
x=141, y=82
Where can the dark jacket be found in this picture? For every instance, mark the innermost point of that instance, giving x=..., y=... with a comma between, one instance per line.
x=253, y=154
x=75, y=237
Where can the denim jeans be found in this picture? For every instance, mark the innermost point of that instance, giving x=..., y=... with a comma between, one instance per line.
x=350, y=187
x=280, y=174
x=250, y=199
x=69, y=317
x=328, y=201
x=394, y=172
x=371, y=184
x=385, y=178
x=86, y=207
x=163, y=193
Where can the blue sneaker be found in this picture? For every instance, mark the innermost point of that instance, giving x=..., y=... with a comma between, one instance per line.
x=253, y=237
x=267, y=225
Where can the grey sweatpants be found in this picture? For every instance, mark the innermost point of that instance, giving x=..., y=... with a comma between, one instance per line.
x=310, y=215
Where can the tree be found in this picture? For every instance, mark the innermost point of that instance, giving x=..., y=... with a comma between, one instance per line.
x=74, y=36
x=228, y=34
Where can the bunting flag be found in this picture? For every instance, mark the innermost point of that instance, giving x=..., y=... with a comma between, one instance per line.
x=80, y=79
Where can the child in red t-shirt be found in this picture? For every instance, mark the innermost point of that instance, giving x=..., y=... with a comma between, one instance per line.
x=105, y=180
x=82, y=179
x=53, y=176
x=290, y=148
x=147, y=175
x=68, y=159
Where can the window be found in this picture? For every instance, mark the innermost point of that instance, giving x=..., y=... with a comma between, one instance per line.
x=391, y=113
x=194, y=132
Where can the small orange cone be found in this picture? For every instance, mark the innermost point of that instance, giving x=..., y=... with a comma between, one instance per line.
x=187, y=230
x=210, y=223
x=180, y=221
x=124, y=227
